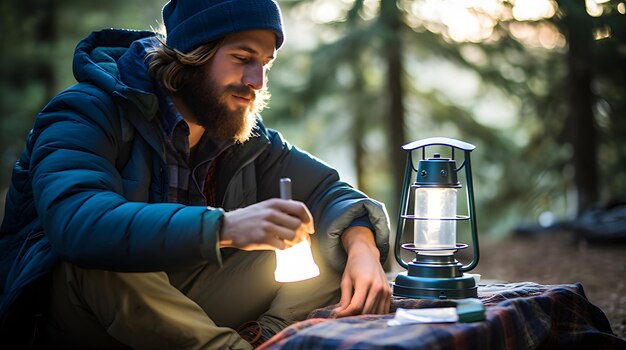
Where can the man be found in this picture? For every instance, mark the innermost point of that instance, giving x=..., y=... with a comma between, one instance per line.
x=143, y=212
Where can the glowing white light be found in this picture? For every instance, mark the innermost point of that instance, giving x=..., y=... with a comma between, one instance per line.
x=435, y=203
x=295, y=263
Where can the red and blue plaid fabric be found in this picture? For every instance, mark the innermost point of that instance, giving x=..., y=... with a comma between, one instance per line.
x=518, y=316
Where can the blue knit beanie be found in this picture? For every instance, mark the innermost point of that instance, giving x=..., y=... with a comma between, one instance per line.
x=192, y=23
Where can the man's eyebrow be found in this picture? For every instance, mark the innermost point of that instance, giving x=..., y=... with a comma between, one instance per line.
x=252, y=51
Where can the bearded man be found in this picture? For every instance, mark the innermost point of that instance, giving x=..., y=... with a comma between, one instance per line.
x=144, y=210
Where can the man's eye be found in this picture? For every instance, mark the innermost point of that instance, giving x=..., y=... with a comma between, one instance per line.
x=241, y=58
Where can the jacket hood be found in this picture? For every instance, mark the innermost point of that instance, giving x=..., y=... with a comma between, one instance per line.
x=97, y=60
x=114, y=60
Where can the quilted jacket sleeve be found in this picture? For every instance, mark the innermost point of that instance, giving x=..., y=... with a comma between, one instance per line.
x=79, y=195
x=333, y=203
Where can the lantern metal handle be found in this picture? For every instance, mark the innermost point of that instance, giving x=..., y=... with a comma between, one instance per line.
x=441, y=141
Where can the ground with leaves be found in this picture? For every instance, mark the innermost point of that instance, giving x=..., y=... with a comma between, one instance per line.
x=558, y=258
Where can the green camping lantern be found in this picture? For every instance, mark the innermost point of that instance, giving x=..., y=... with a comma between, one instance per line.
x=435, y=272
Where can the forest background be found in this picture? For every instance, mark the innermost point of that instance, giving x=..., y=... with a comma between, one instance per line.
x=539, y=86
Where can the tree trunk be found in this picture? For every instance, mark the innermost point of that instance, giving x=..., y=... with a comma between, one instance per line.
x=583, y=134
x=358, y=128
x=45, y=37
x=391, y=17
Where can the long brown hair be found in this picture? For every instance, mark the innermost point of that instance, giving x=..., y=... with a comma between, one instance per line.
x=171, y=67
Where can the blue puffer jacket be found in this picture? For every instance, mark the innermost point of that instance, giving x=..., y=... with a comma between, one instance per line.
x=91, y=185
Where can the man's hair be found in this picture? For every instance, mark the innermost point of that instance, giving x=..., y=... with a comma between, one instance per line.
x=172, y=68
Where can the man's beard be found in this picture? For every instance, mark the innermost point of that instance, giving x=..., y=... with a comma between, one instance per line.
x=205, y=100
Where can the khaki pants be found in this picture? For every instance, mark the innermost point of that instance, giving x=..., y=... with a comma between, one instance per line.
x=187, y=309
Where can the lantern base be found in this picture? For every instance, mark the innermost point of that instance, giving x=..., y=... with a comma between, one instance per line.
x=435, y=277
x=435, y=288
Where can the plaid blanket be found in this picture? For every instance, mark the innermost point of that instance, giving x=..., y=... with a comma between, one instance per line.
x=518, y=316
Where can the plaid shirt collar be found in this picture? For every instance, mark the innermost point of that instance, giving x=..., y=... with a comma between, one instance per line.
x=189, y=174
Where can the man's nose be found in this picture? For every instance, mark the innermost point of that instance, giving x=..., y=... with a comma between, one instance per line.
x=255, y=76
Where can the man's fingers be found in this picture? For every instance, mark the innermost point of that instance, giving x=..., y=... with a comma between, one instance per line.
x=381, y=293
x=367, y=298
x=276, y=243
x=295, y=209
x=371, y=303
x=287, y=224
x=292, y=215
x=387, y=305
x=351, y=310
x=270, y=224
x=346, y=297
x=383, y=302
x=355, y=305
x=372, y=298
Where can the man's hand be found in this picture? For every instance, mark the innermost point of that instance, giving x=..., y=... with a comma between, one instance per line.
x=268, y=225
x=364, y=286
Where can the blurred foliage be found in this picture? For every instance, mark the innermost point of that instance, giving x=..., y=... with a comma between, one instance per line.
x=508, y=91
x=357, y=79
x=38, y=37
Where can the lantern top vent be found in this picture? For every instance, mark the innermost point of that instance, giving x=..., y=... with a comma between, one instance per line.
x=437, y=172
